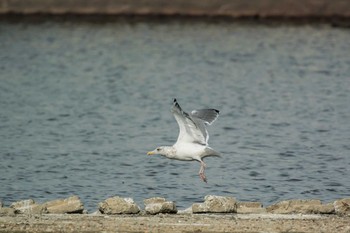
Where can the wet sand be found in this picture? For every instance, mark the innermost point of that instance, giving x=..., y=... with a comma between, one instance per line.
x=176, y=223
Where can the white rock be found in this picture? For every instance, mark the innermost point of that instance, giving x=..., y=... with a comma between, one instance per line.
x=156, y=205
x=250, y=208
x=28, y=206
x=216, y=204
x=7, y=211
x=118, y=205
x=342, y=206
x=185, y=211
x=69, y=205
x=300, y=207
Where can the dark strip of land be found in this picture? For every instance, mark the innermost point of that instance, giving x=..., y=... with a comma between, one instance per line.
x=229, y=8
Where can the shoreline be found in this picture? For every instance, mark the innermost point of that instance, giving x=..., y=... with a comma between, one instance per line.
x=215, y=214
x=208, y=8
x=175, y=223
x=334, y=21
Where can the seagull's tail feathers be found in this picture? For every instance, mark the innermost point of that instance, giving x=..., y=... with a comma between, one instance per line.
x=211, y=153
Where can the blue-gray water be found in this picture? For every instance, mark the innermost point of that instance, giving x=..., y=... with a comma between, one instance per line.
x=81, y=103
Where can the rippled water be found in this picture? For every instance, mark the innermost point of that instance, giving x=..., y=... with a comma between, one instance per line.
x=82, y=102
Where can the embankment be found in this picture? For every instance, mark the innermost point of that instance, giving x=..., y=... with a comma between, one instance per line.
x=229, y=8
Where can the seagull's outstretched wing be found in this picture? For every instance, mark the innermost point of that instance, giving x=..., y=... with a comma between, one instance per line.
x=207, y=115
x=192, y=127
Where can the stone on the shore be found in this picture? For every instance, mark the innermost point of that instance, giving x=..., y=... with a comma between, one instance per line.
x=185, y=211
x=28, y=206
x=70, y=205
x=118, y=205
x=301, y=207
x=216, y=204
x=250, y=208
x=342, y=206
x=156, y=205
x=23, y=204
x=7, y=211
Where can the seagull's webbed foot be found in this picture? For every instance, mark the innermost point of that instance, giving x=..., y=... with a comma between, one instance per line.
x=201, y=172
x=203, y=177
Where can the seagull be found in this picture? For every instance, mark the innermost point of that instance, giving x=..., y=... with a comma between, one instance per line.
x=192, y=142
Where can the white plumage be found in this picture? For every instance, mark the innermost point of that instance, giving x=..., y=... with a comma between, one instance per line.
x=192, y=142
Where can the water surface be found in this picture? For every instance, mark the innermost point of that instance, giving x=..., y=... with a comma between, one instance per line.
x=81, y=104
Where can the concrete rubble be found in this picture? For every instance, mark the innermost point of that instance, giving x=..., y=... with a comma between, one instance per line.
x=28, y=206
x=342, y=206
x=250, y=208
x=70, y=205
x=7, y=211
x=216, y=213
x=216, y=204
x=159, y=205
x=23, y=205
x=156, y=205
x=118, y=205
x=301, y=207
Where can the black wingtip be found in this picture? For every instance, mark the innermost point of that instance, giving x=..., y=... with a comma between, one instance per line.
x=176, y=104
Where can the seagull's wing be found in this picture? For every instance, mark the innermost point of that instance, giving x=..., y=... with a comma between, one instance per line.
x=192, y=128
x=207, y=115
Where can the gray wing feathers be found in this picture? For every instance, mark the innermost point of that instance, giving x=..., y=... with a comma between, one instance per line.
x=192, y=126
x=207, y=115
x=189, y=131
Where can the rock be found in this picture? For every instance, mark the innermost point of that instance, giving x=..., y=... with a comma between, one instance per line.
x=28, y=207
x=199, y=208
x=118, y=205
x=300, y=207
x=7, y=211
x=97, y=212
x=70, y=205
x=23, y=204
x=342, y=206
x=185, y=211
x=326, y=209
x=39, y=209
x=1, y=205
x=156, y=205
x=216, y=204
x=250, y=208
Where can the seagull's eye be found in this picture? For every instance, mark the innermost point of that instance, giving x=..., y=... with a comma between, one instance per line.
x=158, y=149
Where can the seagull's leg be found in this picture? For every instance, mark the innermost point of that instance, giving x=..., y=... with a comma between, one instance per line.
x=201, y=172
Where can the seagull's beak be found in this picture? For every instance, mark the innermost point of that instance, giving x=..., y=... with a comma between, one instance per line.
x=150, y=153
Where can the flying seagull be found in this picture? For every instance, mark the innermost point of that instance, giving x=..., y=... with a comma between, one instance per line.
x=192, y=142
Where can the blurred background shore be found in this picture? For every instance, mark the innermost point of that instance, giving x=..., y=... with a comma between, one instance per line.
x=227, y=8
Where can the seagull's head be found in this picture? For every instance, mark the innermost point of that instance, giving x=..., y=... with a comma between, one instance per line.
x=161, y=150
x=158, y=151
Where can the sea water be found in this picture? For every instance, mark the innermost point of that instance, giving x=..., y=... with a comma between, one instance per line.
x=82, y=102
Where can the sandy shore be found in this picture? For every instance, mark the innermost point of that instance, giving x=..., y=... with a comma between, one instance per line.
x=176, y=223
